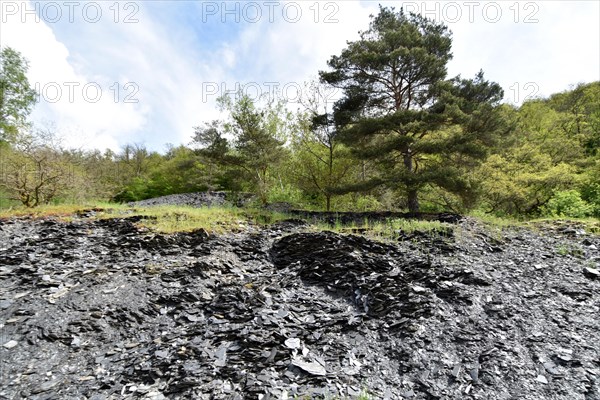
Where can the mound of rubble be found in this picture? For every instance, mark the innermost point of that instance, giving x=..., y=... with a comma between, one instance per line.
x=198, y=199
x=101, y=310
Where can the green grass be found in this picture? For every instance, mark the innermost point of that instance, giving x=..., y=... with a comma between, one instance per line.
x=392, y=226
x=570, y=250
x=494, y=221
x=162, y=219
x=170, y=219
x=388, y=229
x=590, y=224
x=62, y=210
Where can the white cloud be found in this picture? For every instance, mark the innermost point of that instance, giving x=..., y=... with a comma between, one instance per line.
x=174, y=57
x=61, y=84
x=540, y=47
x=128, y=62
x=292, y=51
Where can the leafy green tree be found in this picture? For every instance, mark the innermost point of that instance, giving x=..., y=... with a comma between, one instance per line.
x=135, y=160
x=16, y=95
x=580, y=114
x=92, y=175
x=33, y=169
x=214, y=151
x=211, y=140
x=521, y=181
x=137, y=169
x=399, y=109
x=548, y=154
x=322, y=163
x=179, y=171
x=258, y=135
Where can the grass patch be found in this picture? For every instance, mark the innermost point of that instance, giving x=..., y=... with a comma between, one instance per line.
x=388, y=229
x=162, y=219
x=391, y=227
x=61, y=211
x=494, y=221
x=590, y=224
x=171, y=219
x=264, y=217
x=570, y=250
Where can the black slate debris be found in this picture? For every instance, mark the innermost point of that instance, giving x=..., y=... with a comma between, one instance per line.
x=98, y=309
x=198, y=199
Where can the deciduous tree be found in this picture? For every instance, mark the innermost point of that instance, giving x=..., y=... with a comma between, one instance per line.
x=33, y=170
x=16, y=95
x=322, y=163
x=257, y=138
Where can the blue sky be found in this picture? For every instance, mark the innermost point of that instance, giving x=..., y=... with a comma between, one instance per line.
x=116, y=72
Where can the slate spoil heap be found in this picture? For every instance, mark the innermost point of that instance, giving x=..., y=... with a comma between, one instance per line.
x=197, y=199
x=101, y=310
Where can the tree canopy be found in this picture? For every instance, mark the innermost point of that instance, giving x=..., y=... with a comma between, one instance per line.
x=16, y=95
x=401, y=135
x=258, y=135
x=399, y=108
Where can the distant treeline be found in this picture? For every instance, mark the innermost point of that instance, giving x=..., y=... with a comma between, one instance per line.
x=402, y=136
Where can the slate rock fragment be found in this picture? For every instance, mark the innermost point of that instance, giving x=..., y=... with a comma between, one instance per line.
x=591, y=273
x=10, y=344
x=279, y=311
x=313, y=368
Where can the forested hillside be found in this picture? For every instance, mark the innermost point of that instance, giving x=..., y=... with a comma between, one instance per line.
x=401, y=135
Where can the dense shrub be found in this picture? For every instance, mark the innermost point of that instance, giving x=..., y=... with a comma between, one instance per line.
x=568, y=203
x=591, y=194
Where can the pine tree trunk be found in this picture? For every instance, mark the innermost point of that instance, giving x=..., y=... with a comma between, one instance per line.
x=413, y=201
x=412, y=194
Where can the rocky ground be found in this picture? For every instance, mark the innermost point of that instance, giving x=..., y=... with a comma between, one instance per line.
x=198, y=199
x=97, y=309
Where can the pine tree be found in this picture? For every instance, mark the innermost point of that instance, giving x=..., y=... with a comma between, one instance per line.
x=398, y=107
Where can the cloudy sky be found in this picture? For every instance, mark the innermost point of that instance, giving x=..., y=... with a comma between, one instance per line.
x=115, y=72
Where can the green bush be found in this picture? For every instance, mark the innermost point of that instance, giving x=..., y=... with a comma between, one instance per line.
x=568, y=203
x=285, y=193
x=367, y=203
x=591, y=194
